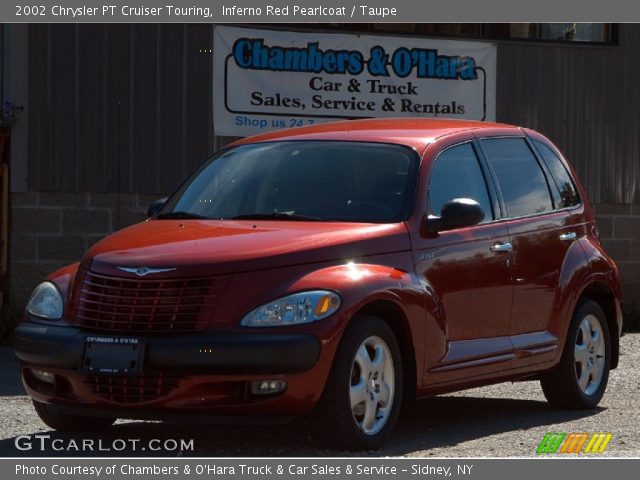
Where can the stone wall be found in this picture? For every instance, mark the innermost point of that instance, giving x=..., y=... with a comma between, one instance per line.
x=619, y=227
x=49, y=230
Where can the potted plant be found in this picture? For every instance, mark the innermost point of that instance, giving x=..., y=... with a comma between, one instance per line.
x=8, y=118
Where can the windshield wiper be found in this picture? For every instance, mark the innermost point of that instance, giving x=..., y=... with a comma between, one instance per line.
x=279, y=216
x=181, y=215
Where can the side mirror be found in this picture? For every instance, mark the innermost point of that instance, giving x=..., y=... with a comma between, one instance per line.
x=156, y=206
x=456, y=213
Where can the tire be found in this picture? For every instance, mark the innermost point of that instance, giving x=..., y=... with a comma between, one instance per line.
x=580, y=379
x=55, y=419
x=357, y=373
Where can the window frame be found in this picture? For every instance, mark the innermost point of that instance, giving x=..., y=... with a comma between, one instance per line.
x=611, y=41
x=484, y=34
x=563, y=162
x=543, y=167
x=486, y=175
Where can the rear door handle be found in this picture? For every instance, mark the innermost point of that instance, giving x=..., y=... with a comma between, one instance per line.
x=501, y=247
x=568, y=236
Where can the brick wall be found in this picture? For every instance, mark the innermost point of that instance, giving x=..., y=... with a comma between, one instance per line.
x=619, y=227
x=49, y=230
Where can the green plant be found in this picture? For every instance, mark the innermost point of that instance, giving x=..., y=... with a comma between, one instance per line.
x=9, y=318
x=9, y=115
x=570, y=32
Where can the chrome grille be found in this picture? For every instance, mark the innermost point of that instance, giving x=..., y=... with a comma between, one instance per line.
x=147, y=305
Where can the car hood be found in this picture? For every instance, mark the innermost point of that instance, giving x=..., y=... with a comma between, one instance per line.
x=186, y=248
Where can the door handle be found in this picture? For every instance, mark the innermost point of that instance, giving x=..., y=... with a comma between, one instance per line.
x=568, y=236
x=501, y=247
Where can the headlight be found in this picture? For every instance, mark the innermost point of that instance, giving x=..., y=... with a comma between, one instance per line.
x=45, y=302
x=303, y=307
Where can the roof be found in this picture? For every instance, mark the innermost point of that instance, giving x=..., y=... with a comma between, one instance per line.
x=415, y=132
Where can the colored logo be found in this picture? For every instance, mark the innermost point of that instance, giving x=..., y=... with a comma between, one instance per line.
x=591, y=443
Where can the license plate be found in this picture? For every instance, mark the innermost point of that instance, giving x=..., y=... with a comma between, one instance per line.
x=112, y=355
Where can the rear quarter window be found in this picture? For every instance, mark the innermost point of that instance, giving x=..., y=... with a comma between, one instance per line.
x=565, y=192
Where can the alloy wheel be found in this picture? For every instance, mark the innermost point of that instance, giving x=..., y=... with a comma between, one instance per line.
x=372, y=385
x=589, y=354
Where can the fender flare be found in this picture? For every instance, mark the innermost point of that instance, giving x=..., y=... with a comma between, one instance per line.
x=365, y=288
x=586, y=265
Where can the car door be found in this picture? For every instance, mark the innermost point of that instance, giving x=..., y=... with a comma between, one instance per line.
x=538, y=208
x=468, y=272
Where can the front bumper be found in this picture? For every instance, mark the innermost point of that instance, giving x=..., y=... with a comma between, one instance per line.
x=208, y=352
x=202, y=373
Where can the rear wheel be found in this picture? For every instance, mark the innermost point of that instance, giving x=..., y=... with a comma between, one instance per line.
x=57, y=420
x=580, y=379
x=361, y=402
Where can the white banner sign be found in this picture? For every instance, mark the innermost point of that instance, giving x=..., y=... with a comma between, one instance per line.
x=266, y=80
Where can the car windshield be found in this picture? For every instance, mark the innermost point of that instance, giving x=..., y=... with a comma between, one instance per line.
x=301, y=180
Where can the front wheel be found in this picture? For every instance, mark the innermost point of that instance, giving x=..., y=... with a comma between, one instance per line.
x=580, y=379
x=361, y=402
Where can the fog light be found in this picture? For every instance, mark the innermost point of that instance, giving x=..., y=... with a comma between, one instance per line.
x=267, y=387
x=45, y=377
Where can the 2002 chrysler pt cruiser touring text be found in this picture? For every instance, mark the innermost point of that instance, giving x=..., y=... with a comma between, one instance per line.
x=339, y=271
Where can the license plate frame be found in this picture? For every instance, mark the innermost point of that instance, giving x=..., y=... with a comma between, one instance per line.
x=112, y=355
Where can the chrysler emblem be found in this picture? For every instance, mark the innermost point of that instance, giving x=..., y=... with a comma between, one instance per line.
x=142, y=271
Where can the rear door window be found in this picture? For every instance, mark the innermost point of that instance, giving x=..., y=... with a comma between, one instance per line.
x=457, y=174
x=522, y=181
x=563, y=187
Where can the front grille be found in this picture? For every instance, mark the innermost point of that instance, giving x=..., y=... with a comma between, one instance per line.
x=147, y=305
x=132, y=389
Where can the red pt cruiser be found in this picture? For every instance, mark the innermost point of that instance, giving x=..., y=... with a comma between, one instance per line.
x=337, y=270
